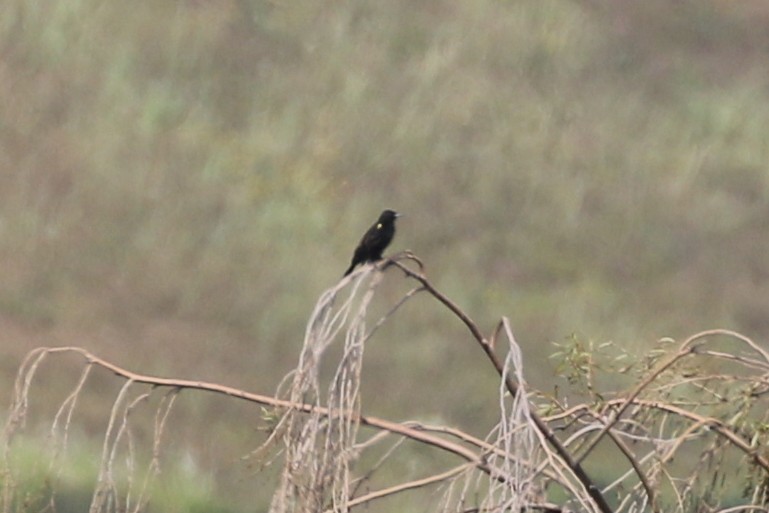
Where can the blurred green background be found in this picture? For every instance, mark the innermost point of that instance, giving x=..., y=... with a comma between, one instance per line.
x=180, y=180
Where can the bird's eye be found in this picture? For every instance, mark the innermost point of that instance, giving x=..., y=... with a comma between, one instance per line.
x=379, y=226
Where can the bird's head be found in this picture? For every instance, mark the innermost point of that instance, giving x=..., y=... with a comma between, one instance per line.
x=388, y=216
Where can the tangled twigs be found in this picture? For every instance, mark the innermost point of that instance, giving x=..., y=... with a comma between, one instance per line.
x=686, y=349
x=689, y=347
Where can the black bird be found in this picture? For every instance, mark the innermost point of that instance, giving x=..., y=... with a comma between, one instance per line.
x=375, y=240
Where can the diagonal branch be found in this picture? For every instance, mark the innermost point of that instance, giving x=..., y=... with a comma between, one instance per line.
x=415, y=434
x=510, y=384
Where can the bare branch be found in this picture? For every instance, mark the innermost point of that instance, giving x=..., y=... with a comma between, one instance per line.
x=512, y=387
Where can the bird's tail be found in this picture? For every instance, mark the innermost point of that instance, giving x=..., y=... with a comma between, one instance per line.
x=349, y=270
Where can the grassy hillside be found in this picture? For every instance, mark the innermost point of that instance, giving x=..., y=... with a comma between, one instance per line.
x=179, y=180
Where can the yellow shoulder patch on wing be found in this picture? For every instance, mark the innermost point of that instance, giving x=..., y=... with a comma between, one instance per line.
x=379, y=226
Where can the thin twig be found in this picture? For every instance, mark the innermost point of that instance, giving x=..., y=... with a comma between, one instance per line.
x=418, y=483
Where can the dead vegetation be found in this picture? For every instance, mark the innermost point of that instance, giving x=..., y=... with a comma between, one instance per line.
x=688, y=435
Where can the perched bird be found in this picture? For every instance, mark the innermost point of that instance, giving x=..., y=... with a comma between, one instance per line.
x=375, y=240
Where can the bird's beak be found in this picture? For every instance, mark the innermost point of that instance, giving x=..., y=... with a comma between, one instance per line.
x=398, y=214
